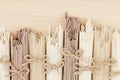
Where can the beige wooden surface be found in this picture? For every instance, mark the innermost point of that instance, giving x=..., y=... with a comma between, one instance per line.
x=16, y=14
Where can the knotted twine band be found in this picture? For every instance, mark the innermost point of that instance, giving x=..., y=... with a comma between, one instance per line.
x=43, y=61
x=77, y=55
x=113, y=73
x=109, y=62
x=79, y=69
x=30, y=59
x=49, y=66
x=4, y=60
x=13, y=71
x=21, y=72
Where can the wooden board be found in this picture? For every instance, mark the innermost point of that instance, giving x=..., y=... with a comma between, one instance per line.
x=37, y=51
x=16, y=14
x=86, y=43
x=115, y=68
x=4, y=53
x=71, y=34
x=102, y=52
x=19, y=48
x=54, y=41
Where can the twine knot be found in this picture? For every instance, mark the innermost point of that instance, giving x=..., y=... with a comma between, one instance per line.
x=109, y=62
x=49, y=66
x=21, y=72
x=31, y=59
x=4, y=60
x=79, y=69
x=77, y=55
x=113, y=73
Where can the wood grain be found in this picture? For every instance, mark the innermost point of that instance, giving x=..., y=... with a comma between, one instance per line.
x=54, y=44
x=102, y=52
x=4, y=51
x=16, y=14
x=86, y=43
x=19, y=48
x=115, y=55
x=71, y=33
x=37, y=50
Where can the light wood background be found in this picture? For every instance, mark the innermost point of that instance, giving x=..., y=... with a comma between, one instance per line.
x=38, y=14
